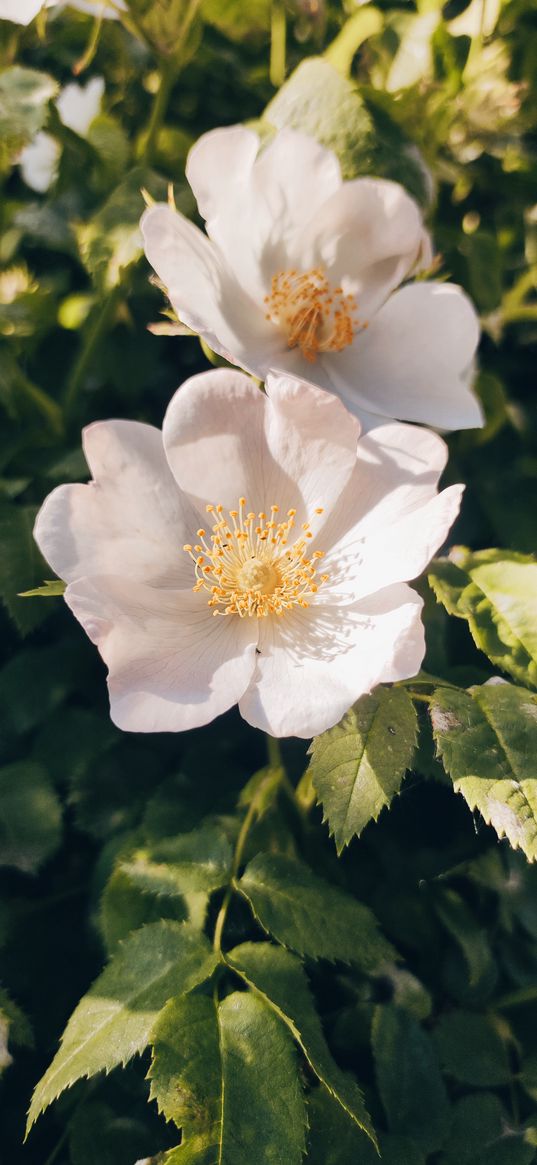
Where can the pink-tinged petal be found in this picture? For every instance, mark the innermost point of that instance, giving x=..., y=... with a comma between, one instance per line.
x=398, y=550
x=218, y=163
x=396, y=472
x=415, y=359
x=313, y=665
x=172, y=664
x=204, y=291
x=368, y=237
x=294, y=448
x=131, y=518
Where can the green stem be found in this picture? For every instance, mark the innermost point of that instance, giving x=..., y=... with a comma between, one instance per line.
x=274, y=752
x=278, y=34
x=237, y=858
x=168, y=74
x=91, y=341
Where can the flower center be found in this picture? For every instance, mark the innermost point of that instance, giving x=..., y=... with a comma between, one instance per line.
x=315, y=316
x=249, y=565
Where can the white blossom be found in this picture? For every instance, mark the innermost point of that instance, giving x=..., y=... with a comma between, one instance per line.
x=256, y=552
x=77, y=106
x=24, y=11
x=303, y=272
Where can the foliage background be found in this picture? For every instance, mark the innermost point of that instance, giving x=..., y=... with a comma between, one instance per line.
x=444, y=1041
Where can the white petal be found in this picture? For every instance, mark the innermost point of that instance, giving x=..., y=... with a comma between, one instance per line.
x=39, y=162
x=78, y=105
x=131, y=518
x=220, y=161
x=396, y=472
x=295, y=447
x=203, y=290
x=20, y=11
x=172, y=665
x=368, y=236
x=312, y=666
x=254, y=221
x=414, y=361
x=397, y=551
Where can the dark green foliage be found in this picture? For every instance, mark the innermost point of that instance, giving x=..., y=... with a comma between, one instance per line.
x=362, y=970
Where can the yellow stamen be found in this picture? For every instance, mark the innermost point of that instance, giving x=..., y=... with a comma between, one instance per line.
x=247, y=566
x=315, y=316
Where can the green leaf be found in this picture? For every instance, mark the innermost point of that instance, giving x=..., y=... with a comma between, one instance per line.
x=111, y=241
x=464, y=928
x=482, y=1134
x=30, y=816
x=335, y=1140
x=24, y=98
x=186, y=1074
x=487, y=738
x=191, y=863
x=114, y=1020
x=311, y=916
x=238, y=20
x=358, y=766
x=124, y=908
x=229, y=1077
x=50, y=589
x=317, y=100
x=20, y=565
x=496, y=592
x=279, y=977
x=409, y=1080
x=472, y=1050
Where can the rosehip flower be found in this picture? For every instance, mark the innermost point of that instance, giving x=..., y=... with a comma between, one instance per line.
x=302, y=272
x=78, y=106
x=255, y=552
x=24, y=11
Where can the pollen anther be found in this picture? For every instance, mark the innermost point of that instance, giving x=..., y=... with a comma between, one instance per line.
x=315, y=316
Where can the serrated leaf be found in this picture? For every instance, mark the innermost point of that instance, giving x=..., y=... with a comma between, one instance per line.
x=125, y=908
x=20, y=565
x=113, y=1021
x=358, y=766
x=50, y=589
x=409, y=1080
x=487, y=738
x=335, y=1140
x=482, y=1134
x=30, y=816
x=190, y=863
x=229, y=1077
x=496, y=592
x=310, y=916
x=24, y=98
x=472, y=1050
x=279, y=977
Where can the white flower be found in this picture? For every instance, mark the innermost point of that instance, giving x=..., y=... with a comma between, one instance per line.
x=302, y=272
x=255, y=552
x=77, y=106
x=24, y=11
x=39, y=161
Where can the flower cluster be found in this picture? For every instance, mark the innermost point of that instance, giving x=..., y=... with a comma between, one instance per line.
x=257, y=551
